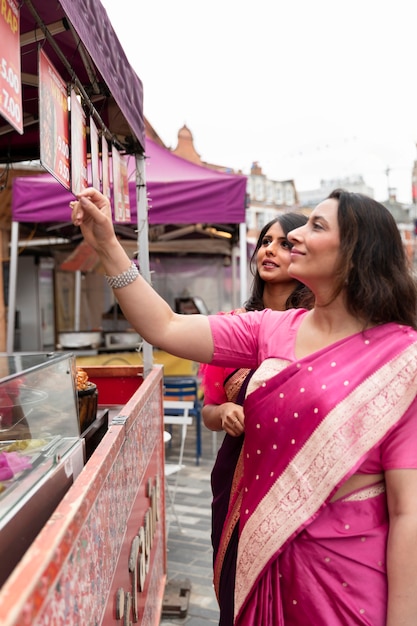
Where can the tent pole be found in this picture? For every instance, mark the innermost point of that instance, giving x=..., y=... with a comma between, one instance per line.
x=234, y=278
x=143, y=245
x=243, y=264
x=11, y=305
x=77, y=305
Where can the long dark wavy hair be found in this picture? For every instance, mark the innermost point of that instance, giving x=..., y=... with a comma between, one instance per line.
x=373, y=268
x=301, y=297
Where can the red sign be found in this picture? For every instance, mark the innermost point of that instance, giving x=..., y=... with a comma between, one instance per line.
x=10, y=77
x=53, y=121
x=78, y=146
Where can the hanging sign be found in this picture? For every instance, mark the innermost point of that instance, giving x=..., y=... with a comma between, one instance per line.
x=95, y=163
x=125, y=188
x=120, y=187
x=53, y=121
x=10, y=74
x=78, y=146
x=105, y=172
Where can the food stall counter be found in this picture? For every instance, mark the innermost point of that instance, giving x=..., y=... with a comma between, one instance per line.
x=100, y=558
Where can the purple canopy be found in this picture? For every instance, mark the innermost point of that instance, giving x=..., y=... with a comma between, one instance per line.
x=82, y=45
x=180, y=193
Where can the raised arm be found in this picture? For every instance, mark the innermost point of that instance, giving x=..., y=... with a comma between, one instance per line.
x=186, y=336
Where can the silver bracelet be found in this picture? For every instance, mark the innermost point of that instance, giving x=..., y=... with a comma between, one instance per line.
x=124, y=279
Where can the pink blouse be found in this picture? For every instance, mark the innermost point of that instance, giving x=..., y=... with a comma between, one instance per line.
x=248, y=339
x=213, y=377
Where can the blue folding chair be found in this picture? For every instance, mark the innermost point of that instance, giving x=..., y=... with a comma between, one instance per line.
x=185, y=388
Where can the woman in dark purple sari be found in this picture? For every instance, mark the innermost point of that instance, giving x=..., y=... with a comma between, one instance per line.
x=224, y=388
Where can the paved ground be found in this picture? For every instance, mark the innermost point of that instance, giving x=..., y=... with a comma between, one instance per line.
x=189, y=547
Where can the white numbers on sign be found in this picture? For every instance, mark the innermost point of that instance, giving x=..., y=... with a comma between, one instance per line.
x=11, y=107
x=63, y=171
x=63, y=147
x=10, y=76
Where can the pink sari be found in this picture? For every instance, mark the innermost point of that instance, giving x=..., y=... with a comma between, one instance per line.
x=301, y=558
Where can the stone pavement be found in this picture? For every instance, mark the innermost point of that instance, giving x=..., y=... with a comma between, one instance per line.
x=189, y=547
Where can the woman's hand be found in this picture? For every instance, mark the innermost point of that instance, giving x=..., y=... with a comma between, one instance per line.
x=92, y=213
x=228, y=417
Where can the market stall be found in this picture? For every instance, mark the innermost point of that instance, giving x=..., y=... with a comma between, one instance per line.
x=92, y=550
x=193, y=210
x=97, y=554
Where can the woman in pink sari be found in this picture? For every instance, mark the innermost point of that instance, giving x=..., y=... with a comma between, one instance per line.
x=326, y=505
x=224, y=388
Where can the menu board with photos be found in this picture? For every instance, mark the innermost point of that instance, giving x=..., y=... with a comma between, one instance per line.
x=10, y=70
x=78, y=146
x=53, y=121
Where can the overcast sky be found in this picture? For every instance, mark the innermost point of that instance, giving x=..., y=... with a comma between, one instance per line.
x=311, y=89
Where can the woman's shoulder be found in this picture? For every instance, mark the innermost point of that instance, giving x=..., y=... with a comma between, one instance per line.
x=232, y=312
x=290, y=315
x=264, y=322
x=238, y=311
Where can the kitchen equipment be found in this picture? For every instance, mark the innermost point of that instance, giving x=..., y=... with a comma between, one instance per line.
x=87, y=405
x=122, y=340
x=79, y=339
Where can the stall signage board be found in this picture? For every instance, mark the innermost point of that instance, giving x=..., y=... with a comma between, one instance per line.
x=10, y=73
x=78, y=146
x=124, y=177
x=53, y=121
x=120, y=187
x=95, y=162
x=105, y=172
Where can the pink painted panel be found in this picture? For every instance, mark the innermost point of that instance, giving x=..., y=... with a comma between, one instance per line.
x=73, y=570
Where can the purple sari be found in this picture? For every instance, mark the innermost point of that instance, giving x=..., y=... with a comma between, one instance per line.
x=303, y=559
x=224, y=478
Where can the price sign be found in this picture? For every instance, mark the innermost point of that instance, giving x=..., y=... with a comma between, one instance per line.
x=53, y=121
x=125, y=189
x=10, y=77
x=95, y=161
x=78, y=146
x=105, y=171
x=120, y=187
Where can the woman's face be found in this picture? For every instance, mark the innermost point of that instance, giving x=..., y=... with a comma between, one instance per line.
x=316, y=246
x=273, y=256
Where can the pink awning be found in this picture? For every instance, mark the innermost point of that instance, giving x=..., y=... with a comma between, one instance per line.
x=180, y=192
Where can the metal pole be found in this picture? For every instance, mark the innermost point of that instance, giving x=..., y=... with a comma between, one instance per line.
x=77, y=304
x=235, y=302
x=11, y=306
x=143, y=246
x=243, y=263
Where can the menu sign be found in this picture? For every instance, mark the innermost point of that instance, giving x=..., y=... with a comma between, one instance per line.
x=10, y=77
x=53, y=121
x=125, y=189
x=105, y=172
x=120, y=187
x=95, y=164
x=78, y=146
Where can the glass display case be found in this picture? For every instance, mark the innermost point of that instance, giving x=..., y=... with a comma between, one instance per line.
x=41, y=451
